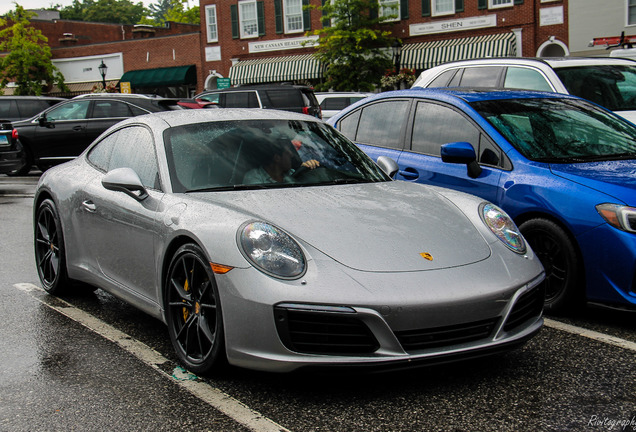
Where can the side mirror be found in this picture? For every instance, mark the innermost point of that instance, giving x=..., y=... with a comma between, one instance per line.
x=388, y=165
x=43, y=121
x=462, y=153
x=127, y=181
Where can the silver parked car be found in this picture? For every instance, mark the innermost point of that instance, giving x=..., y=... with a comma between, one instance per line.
x=268, y=239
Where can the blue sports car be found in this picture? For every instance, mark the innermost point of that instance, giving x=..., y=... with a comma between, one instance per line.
x=563, y=168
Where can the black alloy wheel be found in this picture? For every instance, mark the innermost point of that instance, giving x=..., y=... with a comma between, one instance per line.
x=193, y=310
x=554, y=249
x=50, y=257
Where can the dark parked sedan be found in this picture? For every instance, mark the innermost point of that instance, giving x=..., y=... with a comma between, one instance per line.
x=63, y=131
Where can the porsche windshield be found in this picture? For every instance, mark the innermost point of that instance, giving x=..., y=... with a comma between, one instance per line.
x=560, y=130
x=253, y=154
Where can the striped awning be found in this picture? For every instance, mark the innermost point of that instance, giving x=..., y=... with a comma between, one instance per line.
x=276, y=69
x=428, y=54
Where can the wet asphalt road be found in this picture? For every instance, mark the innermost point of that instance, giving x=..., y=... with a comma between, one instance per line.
x=56, y=374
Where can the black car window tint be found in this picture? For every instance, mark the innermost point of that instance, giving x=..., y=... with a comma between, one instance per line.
x=100, y=154
x=288, y=98
x=134, y=149
x=29, y=108
x=8, y=109
x=335, y=103
x=241, y=100
x=110, y=109
x=349, y=125
x=443, y=78
x=436, y=124
x=526, y=79
x=381, y=123
x=483, y=76
x=74, y=110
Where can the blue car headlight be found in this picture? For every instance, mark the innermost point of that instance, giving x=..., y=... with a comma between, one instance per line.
x=503, y=227
x=271, y=250
x=619, y=216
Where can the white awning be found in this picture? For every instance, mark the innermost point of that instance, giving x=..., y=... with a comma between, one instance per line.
x=276, y=69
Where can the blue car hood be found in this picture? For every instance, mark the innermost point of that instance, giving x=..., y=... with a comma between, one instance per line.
x=614, y=178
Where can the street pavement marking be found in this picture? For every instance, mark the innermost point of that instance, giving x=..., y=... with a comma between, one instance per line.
x=591, y=334
x=223, y=402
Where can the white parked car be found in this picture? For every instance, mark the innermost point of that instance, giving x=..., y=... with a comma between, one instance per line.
x=332, y=102
x=610, y=82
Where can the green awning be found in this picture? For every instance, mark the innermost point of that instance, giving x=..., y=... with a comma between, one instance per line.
x=276, y=69
x=428, y=54
x=161, y=77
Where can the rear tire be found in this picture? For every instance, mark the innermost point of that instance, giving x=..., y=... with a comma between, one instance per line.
x=555, y=250
x=193, y=311
x=50, y=254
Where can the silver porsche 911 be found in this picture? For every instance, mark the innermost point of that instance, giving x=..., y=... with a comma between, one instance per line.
x=269, y=240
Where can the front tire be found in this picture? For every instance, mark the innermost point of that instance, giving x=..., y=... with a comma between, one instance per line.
x=50, y=255
x=555, y=250
x=193, y=311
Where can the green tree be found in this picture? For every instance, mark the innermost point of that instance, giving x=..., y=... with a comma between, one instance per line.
x=158, y=10
x=106, y=11
x=171, y=10
x=353, y=45
x=28, y=62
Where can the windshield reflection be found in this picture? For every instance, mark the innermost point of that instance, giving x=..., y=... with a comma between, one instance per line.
x=254, y=154
x=561, y=130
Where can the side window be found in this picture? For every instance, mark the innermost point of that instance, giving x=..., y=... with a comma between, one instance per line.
x=212, y=97
x=8, y=109
x=526, y=79
x=75, y=110
x=29, y=108
x=490, y=154
x=335, y=103
x=293, y=16
x=389, y=10
x=245, y=99
x=435, y=125
x=349, y=125
x=442, y=79
x=483, y=76
x=285, y=98
x=381, y=123
x=135, y=149
x=100, y=153
x=110, y=109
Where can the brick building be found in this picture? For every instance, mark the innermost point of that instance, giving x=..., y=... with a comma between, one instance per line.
x=264, y=41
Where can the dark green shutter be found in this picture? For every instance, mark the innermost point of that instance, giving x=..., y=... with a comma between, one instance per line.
x=235, y=23
x=426, y=7
x=278, y=12
x=306, y=16
x=459, y=6
x=325, y=21
x=373, y=10
x=518, y=2
x=260, y=13
x=404, y=9
x=482, y=4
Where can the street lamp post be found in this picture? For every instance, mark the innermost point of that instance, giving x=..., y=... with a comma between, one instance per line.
x=397, y=51
x=102, y=71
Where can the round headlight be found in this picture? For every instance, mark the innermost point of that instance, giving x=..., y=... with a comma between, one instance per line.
x=503, y=227
x=271, y=250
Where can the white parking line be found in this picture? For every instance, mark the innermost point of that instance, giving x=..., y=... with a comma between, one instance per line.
x=597, y=336
x=229, y=406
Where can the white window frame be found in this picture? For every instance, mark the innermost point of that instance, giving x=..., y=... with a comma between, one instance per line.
x=288, y=15
x=386, y=5
x=245, y=22
x=506, y=3
x=435, y=12
x=627, y=6
x=211, y=23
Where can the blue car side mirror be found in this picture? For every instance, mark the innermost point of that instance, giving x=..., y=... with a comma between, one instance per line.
x=461, y=153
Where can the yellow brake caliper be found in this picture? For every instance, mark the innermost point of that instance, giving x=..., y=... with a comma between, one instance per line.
x=186, y=312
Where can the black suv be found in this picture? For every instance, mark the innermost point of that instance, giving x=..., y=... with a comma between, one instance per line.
x=293, y=98
x=14, y=108
x=63, y=131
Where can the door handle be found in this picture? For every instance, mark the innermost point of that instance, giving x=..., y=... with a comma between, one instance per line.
x=78, y=128
x=89, y=206
x=409, y=173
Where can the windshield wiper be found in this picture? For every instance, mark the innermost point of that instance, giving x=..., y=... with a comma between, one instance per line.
x=229, y=188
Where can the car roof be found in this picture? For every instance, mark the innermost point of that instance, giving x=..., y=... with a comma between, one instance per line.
x=184, y=117
x=554, y=62
x=32, y=97
x=467, y=94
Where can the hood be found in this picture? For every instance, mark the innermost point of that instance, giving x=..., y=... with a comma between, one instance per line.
x=370, y=227
x=614, y=178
